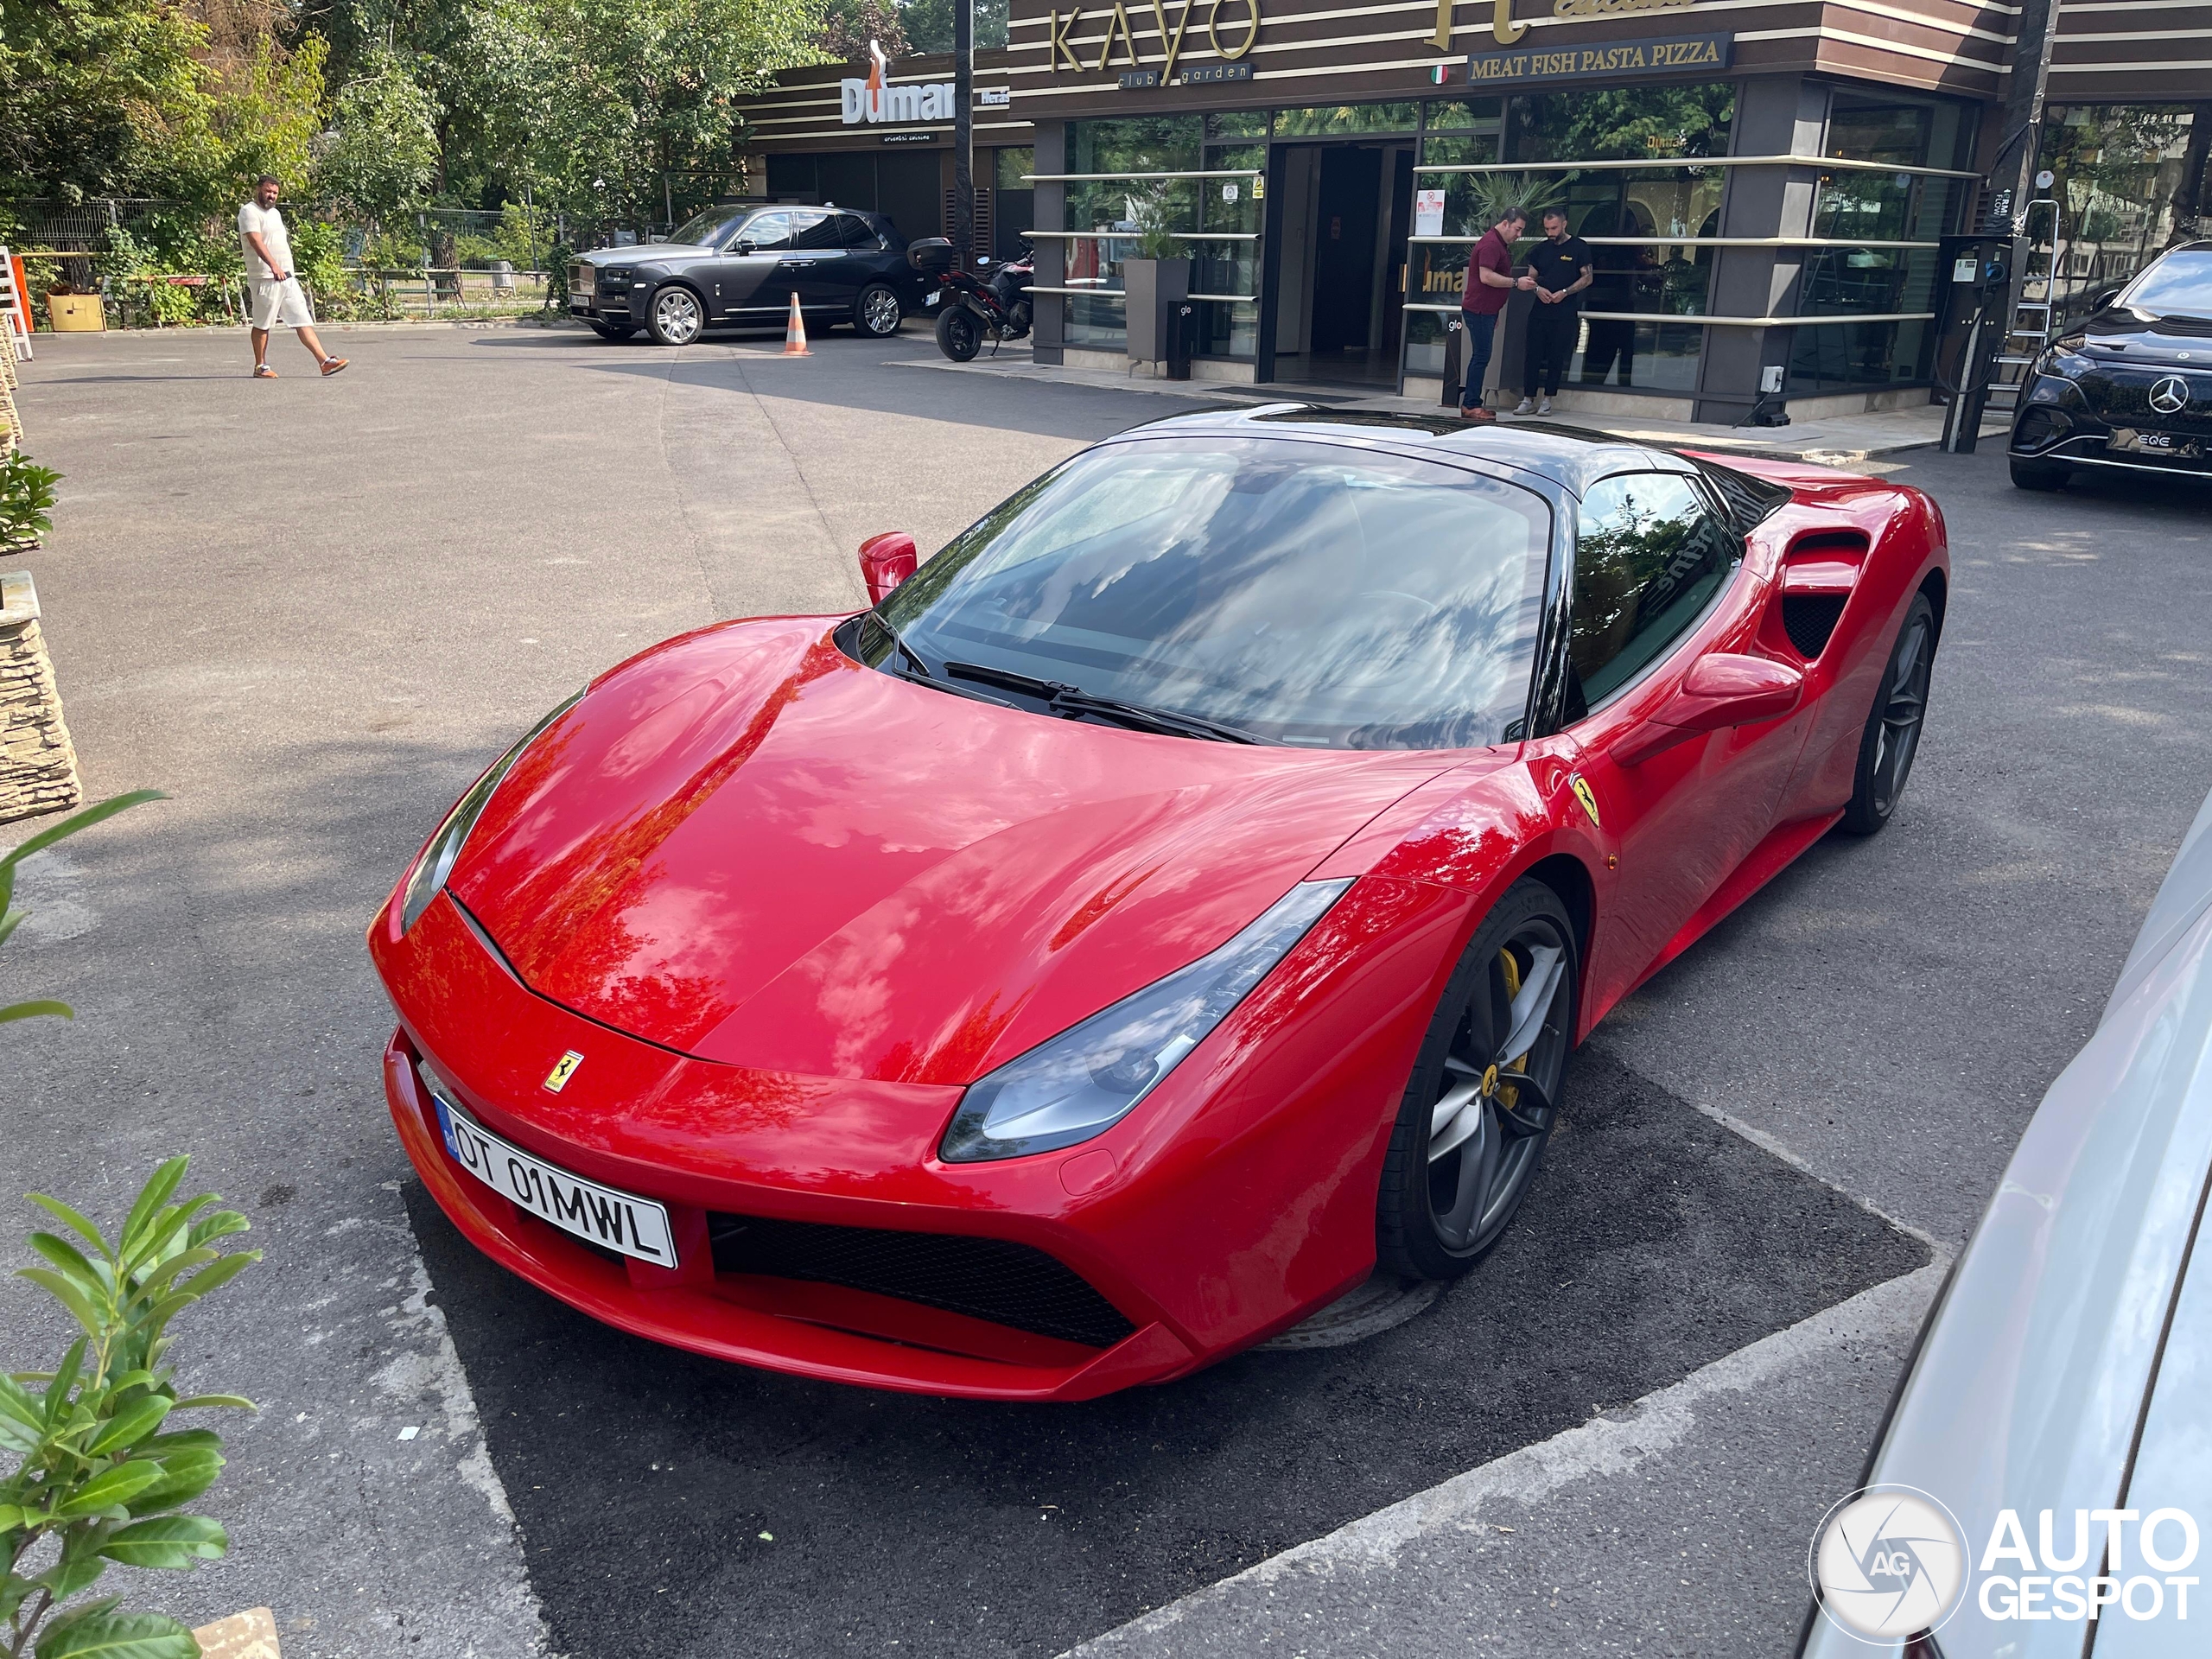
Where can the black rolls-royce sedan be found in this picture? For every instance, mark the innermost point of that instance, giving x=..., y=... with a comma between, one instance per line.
x=2131, y=387
x=738, y=267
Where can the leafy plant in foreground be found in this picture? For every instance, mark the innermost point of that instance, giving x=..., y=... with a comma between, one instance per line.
x=11, y=914
x=102, y=1474
x=26, y=498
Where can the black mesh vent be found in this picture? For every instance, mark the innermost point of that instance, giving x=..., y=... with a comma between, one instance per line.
x=1809, y=618
x=989, y=1279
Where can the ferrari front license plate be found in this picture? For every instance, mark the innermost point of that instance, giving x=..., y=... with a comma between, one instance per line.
x=602, y=1215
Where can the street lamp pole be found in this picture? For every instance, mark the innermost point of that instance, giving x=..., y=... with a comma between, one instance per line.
x=964, y=131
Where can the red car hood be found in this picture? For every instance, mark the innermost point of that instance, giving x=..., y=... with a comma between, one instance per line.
x=745, y=846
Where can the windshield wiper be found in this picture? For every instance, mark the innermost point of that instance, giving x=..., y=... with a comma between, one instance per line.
x=1069, y=701
x=920, y=674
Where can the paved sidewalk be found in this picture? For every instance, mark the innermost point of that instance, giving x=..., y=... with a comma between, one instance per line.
x=1851, y=440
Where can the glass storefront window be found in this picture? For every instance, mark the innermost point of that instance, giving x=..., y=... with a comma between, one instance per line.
x=1456, y=114
x=1840, y=356
x=1013, y=167
x=1326, y=120
x=1868, y=208
x=1120, y=208
x=2131, y=178
x=1611, y=356
x=1471, y=149
x=1622, y=124
x=1237, y=123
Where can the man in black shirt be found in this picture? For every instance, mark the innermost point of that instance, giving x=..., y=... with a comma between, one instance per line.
x=1560, y=265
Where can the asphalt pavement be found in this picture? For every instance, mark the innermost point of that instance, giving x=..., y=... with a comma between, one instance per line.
x=311, y=610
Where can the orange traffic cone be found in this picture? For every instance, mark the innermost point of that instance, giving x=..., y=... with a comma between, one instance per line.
x=795, y=334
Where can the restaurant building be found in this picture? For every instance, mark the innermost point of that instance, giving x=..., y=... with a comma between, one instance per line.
x=1763, y=186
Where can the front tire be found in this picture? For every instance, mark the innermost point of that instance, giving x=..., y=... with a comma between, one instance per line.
x=2039, y=475
x=1892, y=738
x=877, y=312
x=676, y=317
x=959, y=336
x=1484, y=1090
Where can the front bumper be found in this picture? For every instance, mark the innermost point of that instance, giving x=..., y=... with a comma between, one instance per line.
x=2071, y=432
x=1238, y=1202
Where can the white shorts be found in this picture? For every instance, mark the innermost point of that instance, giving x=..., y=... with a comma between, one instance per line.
x=280, y=304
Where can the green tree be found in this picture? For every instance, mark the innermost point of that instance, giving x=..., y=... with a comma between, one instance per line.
x=385, y=158
x=97, y=96
x=929, y=24
x=633, y=111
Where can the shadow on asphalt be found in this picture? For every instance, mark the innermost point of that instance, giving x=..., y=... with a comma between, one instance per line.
x=675, y=1505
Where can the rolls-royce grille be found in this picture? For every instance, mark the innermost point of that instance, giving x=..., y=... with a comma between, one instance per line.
x=992, y=1278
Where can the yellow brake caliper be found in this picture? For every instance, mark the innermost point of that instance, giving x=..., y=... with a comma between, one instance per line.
x=1507, y=1095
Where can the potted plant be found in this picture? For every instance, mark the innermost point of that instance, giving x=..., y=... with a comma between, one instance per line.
x=1158, y=284
x=26, y=501
x=68, y=312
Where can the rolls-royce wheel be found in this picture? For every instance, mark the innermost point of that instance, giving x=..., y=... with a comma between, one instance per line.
x=1892, y=734
x=617, y=331
x=876, y=311
x=2039, y=475
x=676, y=317
x=959, y=336
x=1484, y=1090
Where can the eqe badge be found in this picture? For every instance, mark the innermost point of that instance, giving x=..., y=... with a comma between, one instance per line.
x=1588, y=797
x=563, y=1069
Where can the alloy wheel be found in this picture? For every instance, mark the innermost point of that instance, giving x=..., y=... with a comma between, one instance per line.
x=1501, y=1076
x=676, y=317
x=1903, y=711
x=879, y=311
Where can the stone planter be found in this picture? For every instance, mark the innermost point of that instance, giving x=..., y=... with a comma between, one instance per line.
x=74, y=313
x=38, y=766
x=1157, y=290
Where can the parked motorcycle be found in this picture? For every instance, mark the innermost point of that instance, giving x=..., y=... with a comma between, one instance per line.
x=970, y=310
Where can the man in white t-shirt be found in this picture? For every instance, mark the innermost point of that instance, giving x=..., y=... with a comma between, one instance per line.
x=278, y=296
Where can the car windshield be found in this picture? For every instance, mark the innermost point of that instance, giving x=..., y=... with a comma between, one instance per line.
x=707, y=228
x=2179, y=285
x=1302, y=592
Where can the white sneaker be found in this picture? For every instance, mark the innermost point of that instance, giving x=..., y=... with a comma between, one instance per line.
x=1526, y=406
x=1545, y=407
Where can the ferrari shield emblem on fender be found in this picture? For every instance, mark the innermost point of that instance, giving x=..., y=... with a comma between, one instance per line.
x=563, y=1069
x=1585, y=794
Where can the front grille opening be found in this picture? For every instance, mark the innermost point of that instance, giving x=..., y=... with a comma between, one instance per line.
x=992, y=1278
x=2039, y=427
x=1809, y=619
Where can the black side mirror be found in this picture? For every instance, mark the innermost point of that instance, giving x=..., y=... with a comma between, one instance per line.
x=744, y=246
x=2108, y=297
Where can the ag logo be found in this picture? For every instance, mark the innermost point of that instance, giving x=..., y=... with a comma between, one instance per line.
x=563, y=1069
x=1889, y=1562
x=1588, y=796
x=2171, y=395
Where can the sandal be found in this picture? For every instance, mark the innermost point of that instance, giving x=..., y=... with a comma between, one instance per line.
x=332, y=364
x=262, y=371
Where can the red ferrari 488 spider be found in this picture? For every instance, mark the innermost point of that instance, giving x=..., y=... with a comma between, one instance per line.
x=1176, y=898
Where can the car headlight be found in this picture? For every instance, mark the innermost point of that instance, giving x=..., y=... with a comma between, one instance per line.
x=1083, y=1082
x=427, y=879
x=616, y=273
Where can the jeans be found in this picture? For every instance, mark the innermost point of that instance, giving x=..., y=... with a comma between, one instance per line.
x=1553, y=330
x=1479, y=334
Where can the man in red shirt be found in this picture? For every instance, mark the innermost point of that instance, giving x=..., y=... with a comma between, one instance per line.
x=1490, y=282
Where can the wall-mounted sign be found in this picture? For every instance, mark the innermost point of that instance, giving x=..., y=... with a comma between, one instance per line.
x=1682, y=53
x=868, y=101
x=1230, y=27
x=1206, y=74
x=994, y=98
x=1615, y=8
x=1428, y=212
